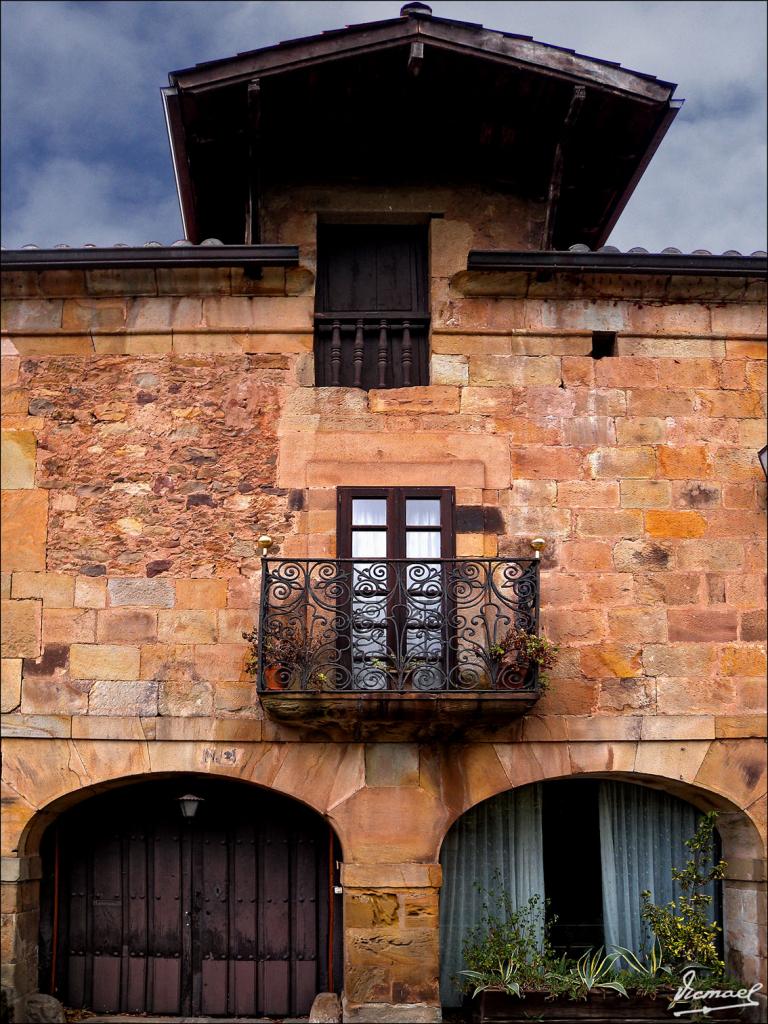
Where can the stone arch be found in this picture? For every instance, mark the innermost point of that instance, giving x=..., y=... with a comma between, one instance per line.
x=36, y=846
x=728, y=777
x=37, y=788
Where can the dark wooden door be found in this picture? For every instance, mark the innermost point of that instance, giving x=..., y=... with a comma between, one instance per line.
x=228, y=914
x=372, y=306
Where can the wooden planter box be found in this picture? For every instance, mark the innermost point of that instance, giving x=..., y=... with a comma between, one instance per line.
x=500, y=1008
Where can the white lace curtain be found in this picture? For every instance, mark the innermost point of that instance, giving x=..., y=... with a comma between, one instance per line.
x=642, y=837
x=495, y=846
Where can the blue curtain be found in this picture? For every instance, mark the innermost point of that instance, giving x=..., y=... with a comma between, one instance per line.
x=494, y=846
x=642, y=837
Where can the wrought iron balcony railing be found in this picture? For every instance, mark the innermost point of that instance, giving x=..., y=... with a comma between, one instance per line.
x=393, y=626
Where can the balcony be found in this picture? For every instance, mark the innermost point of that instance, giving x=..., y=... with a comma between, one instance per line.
x=396, y=648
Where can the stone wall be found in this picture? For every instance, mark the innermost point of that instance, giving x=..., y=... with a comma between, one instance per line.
x=155, y=422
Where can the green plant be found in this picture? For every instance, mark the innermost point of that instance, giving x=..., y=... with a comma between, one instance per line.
x=500, y=978
x=681, y=927
x=596, y=970
x=510, y=946
x=518, y=647
x=651, y=966
x=286, y=647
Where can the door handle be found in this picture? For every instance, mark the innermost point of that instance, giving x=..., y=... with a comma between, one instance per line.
x=188, y=918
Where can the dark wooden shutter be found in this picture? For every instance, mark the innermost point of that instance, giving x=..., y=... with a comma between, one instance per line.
x=372, y=306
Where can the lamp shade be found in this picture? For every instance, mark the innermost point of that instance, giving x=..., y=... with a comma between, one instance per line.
x=189, y=804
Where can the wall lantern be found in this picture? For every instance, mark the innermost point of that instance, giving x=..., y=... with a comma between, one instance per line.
x=189, y=805
x=763, y=456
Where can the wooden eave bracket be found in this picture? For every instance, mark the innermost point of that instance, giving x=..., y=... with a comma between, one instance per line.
x=416, y=58
x=556, y=178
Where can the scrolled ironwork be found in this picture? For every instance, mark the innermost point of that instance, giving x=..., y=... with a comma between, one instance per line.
x=402, y=625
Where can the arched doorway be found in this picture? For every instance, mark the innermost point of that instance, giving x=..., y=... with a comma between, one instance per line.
x=230, y=912
x=587, y=846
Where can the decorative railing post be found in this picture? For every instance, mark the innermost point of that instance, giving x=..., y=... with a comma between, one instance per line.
x=335, y=354
x=383, y=345
x=265, y=543
x=407, y=354
x=357, y=358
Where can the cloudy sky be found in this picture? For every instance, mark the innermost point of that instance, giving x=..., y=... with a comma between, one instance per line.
x=85, y=153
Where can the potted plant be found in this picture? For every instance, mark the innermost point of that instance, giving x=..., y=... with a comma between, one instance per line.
x=289, y=652
x=513, y=654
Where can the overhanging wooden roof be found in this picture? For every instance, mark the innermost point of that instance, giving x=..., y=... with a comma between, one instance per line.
x=414, y=98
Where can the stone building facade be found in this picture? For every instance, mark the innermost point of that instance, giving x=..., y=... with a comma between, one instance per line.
x=158, y=418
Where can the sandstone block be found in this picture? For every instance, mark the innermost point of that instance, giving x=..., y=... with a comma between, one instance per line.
x=554, y=463
x=449, y=369
x=530, y=522
x=711, y=555
x=599, y=402
x=640, y=430
x=185, y=698
x=35, y=346
x=586, y=431
x=734, y=404
x=94, y=314
x=643, y=402
x=148, y=593
x=32, y=314
x=746, y=349
x=10, y=684
x=627, y=371
x=559, y=589
x=674, y=524
x=125, y=625
x=518, y=371
x=611, y=659
x=68, y=626
x=209, y=343
x=220, y=661
x=737, y=464
x=90, y=592
x=123, y=698
x=638, y=555
x=578, y=371
x=689, y=373
x=620, y=463
x=24, y=525
x=588, y=494
x=17, y=461
x=645, y=494
x=54, y=696
x=104, y=662
x=187, y=627
x=391, y=764
x=679, y=659
x=167, y=661
x=686, y=463
x=21, y=629
x=533, y=493
x=132, y=344
x=586, y=556
x=753, y=626
x=54, y=589
x=201, y=593
x=702, y=626
x=325, y=1009
x=612, y=588
x=435, y=398
x=743, y=661
x=638, y=625
x=610, y=523
x=525, y=430
x=469, y=345
x=574, y=625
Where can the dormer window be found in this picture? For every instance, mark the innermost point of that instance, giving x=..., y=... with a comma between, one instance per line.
x=372, y=306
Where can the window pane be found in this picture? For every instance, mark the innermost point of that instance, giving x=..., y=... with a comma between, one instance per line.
x=424, y=544
x=422, y=512
x=369, y=543
x=369, y=511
